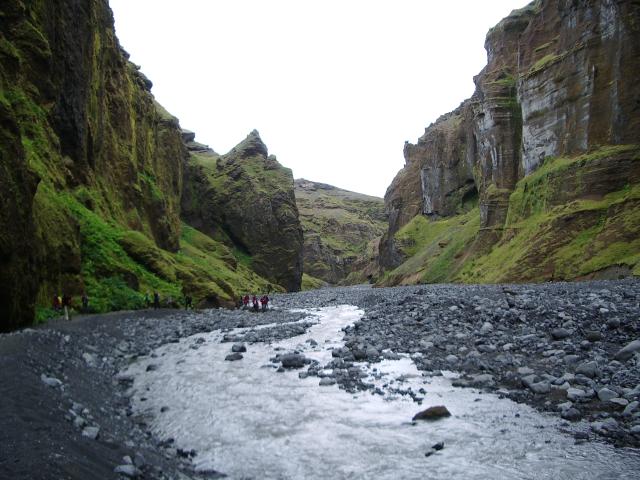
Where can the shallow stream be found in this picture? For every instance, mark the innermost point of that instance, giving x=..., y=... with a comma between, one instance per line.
x=247, y=420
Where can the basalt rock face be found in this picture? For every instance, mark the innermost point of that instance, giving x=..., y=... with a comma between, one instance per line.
x=91, y=175
x=559, y=89
x=246, y=199
x=340, y=231
x=80, y=129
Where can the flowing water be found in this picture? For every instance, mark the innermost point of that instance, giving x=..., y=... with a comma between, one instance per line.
x=249, y=421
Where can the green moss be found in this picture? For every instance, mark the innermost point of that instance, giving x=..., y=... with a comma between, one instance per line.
x=312, y=283
x=544, y=62
x=435, y=249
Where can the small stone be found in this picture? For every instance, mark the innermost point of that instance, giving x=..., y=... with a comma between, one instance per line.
x=581, y=436
x=327, y=381
x=487, y=327
x=238, y=348
x=628, y=351
x=232, y=357
x=560, y=333
x=575, y=393
x=451, y=359
x=605, y=394
x=438, y=446
x=79, y=422
x=127, y=470
x=571, y=414
x=593, y=336
x=540, y=387
x=588, y=369
x=292, y=360
x=525, y=371
x=629, y=409
x=91, y=432
x=622, y=402
x=50, y=381
x=433, y=413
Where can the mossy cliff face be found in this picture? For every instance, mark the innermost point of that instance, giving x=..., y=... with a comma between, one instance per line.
x=92, y=174
x=339, y=227
x=559, y=89
x=245, y=198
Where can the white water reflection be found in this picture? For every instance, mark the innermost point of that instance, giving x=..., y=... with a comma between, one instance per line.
x=249, y=421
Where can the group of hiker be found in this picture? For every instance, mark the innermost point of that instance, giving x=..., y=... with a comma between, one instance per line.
x=64, y=303
x=187, y=301
x=256, y=304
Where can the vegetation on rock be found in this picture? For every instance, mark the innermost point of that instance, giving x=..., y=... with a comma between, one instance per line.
x=548, y=143
x=339, y=227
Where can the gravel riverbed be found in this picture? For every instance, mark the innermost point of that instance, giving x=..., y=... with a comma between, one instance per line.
x=569, y=349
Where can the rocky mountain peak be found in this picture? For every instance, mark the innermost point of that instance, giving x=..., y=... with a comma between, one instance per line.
x=251, y=146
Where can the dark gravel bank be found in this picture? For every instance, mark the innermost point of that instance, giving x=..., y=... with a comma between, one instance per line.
x=570, y=349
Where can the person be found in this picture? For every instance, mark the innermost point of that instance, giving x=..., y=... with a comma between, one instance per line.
x=147, y=300
x=187, y=302
x=66, y=305
x=240, y=302
x=156, y=300
x=56, y=303
x=264, y=301
x=245, y=301
x=256, y=307
x=85, y=303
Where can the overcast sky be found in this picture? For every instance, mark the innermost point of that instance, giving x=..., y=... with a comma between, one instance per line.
x=334, y=87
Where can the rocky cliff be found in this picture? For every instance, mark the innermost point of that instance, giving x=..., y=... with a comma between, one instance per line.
x=91, y=179
x=535, y=177
x=341, y=230
x=246, y=199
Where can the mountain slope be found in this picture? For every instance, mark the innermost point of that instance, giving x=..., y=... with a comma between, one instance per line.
x=92, y=176
x=341, y=229
x=548, y=148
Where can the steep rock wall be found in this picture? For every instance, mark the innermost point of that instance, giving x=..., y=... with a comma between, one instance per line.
x=246, y=198
x=82, y=140
x=560, y=81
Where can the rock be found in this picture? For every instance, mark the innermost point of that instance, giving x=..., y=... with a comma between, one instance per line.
x=232, y=357
x=593, y=335
x=50, y=381
x=91, y=432
x=90, y=359
x=438, y=446
x=560, y=333
x=432, y=413
x=127, y=470
x=571, y=414
x=575, y=394
x=525, y=371
x=622, y=402
x=238, y=348
x=588, y=369
x=292, y=360
x=540, y=387
x=605, y=394
x=487, y=327
x=628, y=351
x=451, y=359
x=326, y=381
x=629, y=409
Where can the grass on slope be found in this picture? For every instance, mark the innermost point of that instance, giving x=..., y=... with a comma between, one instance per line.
x=549, y=241
x=434, y=248
x=546, y=237
x=119, y=266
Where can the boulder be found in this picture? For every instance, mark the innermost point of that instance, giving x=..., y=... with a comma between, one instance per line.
x=293, y=360
x=433, y=413
x=628, y=351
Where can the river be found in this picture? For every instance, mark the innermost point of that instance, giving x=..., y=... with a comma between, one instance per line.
x=247, y=420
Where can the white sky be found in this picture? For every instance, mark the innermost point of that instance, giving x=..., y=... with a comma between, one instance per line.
x=334, y=87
